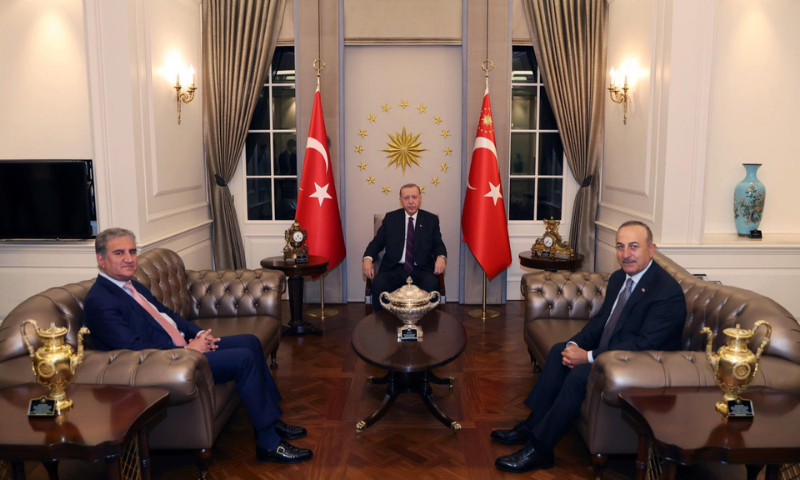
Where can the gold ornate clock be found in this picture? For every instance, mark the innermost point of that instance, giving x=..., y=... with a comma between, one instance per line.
x=551, y=244
x=295, y=248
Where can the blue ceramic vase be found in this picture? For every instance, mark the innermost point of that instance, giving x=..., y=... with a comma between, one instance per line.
x=748, y=201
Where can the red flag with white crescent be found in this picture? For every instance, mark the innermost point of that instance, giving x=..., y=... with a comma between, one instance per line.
x=317, y=204
x=483, y=220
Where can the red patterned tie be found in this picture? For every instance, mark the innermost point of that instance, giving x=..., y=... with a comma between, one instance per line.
x=173, y=332
x=410, y=246
x=612, y=320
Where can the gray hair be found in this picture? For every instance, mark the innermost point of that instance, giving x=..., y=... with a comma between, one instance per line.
x=631, y=223
x=409, y=185
x=101, y=242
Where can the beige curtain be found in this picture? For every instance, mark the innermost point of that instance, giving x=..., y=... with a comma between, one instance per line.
x=569, y=39
x=239, y=39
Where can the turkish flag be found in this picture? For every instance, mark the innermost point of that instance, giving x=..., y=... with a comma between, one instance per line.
x=483, y=220
x=317, y=204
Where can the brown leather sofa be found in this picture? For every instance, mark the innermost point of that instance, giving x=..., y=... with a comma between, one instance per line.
x=226, y=301
x=559, y=304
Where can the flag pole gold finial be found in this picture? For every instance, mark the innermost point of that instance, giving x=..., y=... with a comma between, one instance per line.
x=487, y=67
x=318, y=65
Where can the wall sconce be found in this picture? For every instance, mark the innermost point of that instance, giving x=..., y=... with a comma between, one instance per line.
x=620, y=94
x=188, y=95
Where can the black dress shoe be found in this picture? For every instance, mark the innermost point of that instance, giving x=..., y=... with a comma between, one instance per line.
x=525, y=459
x=285, y=453
x=289, y=432
x=519, y=435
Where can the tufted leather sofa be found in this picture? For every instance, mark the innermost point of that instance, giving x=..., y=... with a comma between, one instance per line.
x=559, y=304
x=226, y=301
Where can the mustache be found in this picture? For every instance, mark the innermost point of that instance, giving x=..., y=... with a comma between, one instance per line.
x=629, y=260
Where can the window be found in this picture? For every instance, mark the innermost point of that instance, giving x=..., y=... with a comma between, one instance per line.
x=271, y=146
x=537, y=155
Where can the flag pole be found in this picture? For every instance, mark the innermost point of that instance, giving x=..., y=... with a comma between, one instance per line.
x=322, y=312
x=483, y=314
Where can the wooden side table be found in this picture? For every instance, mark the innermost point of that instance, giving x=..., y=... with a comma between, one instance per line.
x=681, y=425
x=105, y=422
x=527, y=259
x=316, y=265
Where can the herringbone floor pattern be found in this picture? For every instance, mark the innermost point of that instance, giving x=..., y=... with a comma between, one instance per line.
x=324, y=389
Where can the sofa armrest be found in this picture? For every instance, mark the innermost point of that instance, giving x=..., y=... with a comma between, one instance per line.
x=564, y=295
x=184, y=373
x=614, y=372
x=235, y=293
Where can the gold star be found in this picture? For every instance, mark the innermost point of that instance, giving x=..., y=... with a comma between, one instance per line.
x=371, y=117
x=422, y=108
x=448, y=151
x=445, y=133
x=487, y=120
x=385, y=107
x=362, y=166
x=422, y=190
x=359, y=148
x=435, y=181
x=385, y=189
x=404, y=149
x=370, y=180
x=444, y=167
x=403, y=104
x=437, y=120
x=363, y=133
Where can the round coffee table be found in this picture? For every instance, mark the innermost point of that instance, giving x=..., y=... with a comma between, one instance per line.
x=316, y=265
x=410, y=364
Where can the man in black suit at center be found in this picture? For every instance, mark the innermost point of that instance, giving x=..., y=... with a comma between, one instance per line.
x=644, y=309
x=414, y=248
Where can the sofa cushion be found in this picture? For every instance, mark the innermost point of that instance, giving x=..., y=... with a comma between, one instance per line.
x=545, y=333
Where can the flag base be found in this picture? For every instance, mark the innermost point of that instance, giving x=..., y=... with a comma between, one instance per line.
x=484, y=314
x=322, y=313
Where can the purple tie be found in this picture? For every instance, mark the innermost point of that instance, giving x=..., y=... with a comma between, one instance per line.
x=410, y=246
x=612, y=320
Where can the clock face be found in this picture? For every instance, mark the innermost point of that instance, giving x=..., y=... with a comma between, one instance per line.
x=548, y=241
x=297, y=237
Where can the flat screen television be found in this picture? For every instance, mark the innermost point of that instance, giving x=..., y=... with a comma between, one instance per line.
x=46, y=199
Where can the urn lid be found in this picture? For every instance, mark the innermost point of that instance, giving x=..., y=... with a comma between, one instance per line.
x=52, y=332
x=738, y=332
x=409, y=295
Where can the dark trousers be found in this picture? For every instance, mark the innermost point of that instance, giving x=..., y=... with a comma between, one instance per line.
x=556, y=398
x=395, y=277
x=241, y=358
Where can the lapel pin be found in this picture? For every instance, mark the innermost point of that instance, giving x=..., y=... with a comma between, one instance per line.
x=642, y=289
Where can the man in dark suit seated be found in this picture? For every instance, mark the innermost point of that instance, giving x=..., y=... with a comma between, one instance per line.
x=644, y=309
x=414, y=248
x=122, y=314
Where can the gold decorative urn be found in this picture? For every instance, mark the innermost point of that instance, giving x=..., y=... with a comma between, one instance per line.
x=54, y=363
x=409, y=303
x=735, y=366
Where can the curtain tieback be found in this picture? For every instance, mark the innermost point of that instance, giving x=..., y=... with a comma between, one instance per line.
x=587, y=181
x=220, y=181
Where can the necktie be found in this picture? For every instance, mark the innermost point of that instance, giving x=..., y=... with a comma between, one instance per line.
x=612, y=320
x=173, y=332
x=410, y=246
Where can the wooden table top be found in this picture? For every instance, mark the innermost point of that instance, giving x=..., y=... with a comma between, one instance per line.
x=687, y=428
x=528, y=259
x=315, y=265
x=96, y=426
x=375, y=341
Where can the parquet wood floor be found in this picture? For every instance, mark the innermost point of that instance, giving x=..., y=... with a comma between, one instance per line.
x=324, y=389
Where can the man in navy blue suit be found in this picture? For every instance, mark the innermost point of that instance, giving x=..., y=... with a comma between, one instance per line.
x=122, y=314
x=414, y=248
x=644, y=309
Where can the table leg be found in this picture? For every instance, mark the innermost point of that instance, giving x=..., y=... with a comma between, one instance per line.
x=144, y=453
x=433, y=378
x=427, y=397
x=773, y=472
x=296, y=324
x=388, y=400
x=378, y=380
x=112, y=467
x=52, y=468
x=642, y=457
x=670, y=470
x=18, y=469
